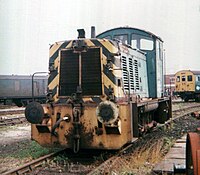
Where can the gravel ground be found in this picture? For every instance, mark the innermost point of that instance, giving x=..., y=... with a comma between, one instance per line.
x=13, y=134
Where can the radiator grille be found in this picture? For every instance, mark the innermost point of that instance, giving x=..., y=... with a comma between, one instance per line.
x=91, y=72
x=136, y=75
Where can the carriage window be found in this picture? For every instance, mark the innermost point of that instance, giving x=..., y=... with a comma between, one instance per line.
x=122, y=38
x=198, y=78
x=178, y=79
x=189, y=77
x=183, y=78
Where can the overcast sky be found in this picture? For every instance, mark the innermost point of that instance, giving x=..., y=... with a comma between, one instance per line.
x=27, y=27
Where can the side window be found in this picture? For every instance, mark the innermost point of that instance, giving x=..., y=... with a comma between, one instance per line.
x=198, y=78
x=178, y=79
x=146, y=44
x=135, y=41
x=17, y=86
x=189, y=77
x=141, y=42
x=122, y=38
x=183, y=78
x=134, y=44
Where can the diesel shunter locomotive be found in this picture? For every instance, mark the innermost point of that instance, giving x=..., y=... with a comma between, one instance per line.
x=103, y=92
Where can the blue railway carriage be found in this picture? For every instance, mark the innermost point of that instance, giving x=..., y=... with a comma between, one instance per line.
x=187, y=85
x=102, y=93
x=18, y=89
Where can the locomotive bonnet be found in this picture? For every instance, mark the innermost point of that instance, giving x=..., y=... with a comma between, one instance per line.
x=98, y=96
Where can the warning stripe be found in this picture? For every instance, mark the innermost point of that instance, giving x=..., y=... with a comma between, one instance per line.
x=54, y=92
x=54, y=82
x=55, y=52
x=107, y=82
x=106, y=51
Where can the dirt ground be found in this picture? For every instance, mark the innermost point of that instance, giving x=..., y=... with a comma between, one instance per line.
x=13, y=134
x=12, y=140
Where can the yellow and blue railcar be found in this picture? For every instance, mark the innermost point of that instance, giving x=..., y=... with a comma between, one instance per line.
x=187, y=85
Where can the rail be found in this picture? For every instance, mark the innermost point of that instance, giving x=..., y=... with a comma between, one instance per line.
x=31, y=165
x=12, y=121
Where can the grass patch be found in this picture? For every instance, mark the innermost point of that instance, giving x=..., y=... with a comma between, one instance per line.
x=151, y=153
x=32, y=150
x=142, y=160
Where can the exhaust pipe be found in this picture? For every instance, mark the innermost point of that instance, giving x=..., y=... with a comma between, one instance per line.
x=93, y=33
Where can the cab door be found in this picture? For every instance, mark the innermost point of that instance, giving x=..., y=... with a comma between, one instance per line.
x=190, y=85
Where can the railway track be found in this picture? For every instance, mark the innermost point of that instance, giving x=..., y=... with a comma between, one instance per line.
x=10, y=111
x=70, y=164
x=105, y=163
x=185, y=107
x=12, y=116
x=12, y=121
x=32, y=165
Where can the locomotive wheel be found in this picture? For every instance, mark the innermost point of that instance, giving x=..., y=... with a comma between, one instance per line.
x=192, y=147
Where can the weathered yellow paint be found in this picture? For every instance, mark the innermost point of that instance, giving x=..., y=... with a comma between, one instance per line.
x=118, y=92
x=89, y=43
x=54, y=83
x=54, y=48
x=89, y=138
x=109, y=46
x=56, y=62
x=69, y=45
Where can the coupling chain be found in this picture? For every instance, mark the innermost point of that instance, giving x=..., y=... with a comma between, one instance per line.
x=76, y=123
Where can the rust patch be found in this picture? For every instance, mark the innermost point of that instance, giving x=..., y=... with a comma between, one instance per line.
x=86, y=137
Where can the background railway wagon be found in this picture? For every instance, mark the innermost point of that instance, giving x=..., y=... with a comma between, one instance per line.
x=18, y=89
x=187, y=84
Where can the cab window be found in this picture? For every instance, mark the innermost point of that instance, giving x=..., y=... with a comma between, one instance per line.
x=122, y=38
x=141, y=42
x=189, y=77
x=178, y=79
x=183, y=78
